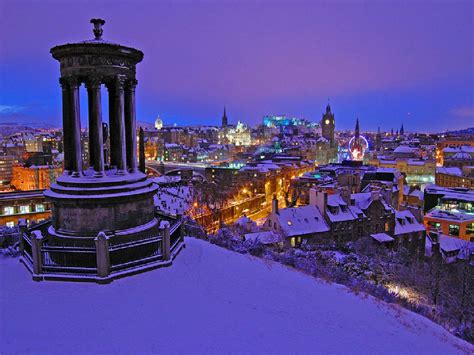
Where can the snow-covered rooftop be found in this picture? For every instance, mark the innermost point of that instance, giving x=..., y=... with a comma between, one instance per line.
x=449, y=170
x=405, y=223
x=210, y=301
x=382, y=237
x=302, y=220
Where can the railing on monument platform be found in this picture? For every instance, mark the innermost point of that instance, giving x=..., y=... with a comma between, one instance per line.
x=102, y=262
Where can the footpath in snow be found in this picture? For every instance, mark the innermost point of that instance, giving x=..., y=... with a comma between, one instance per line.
x=210, y=301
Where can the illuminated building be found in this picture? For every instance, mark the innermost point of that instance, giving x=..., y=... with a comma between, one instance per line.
x=416, y=171
x=453, y=213
x=158, y=123
x=30, y=205
x=240, y=135
x=34, y=177
x=455, y=177
x=6, y=169
x=458, y=156
x=33, y=144
x=455, y=147
x=282, y=124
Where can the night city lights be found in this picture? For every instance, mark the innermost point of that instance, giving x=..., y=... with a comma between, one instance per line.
x=244, y=177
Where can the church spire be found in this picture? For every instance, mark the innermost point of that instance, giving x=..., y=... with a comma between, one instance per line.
x=402, y=130
x=328, y=108
x=357, y=132
x=378, y=140
x=225, y=122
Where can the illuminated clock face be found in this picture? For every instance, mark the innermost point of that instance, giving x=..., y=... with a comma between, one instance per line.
x=327, y=121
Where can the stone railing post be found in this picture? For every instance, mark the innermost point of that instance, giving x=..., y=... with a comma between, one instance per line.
x=22, y=227
x=165, y=232
x=181, y=228
x=36, y=243
x=102, y=254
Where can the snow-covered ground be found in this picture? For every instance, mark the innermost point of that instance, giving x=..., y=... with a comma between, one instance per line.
x=210, y=301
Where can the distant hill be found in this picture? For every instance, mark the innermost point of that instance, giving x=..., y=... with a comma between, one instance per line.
x=9, y=128
x=19, y=122
x=462, y=132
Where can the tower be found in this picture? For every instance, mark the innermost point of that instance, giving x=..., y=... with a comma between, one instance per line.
x=357, y=131
x=225, y=122
x=402, y=131
x=378, y=140
x=358, y=144
x=328, y=125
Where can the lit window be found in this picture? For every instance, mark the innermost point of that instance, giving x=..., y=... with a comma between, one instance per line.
x=454, y=229
x=8, y=211
x=10, y=224
x=25, y=209
x=40, y=207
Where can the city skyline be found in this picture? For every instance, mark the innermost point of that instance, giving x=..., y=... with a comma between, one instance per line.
x=387, y=65
x=157, y=148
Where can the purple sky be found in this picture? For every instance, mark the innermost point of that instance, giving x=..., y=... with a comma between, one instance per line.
x=386, y=62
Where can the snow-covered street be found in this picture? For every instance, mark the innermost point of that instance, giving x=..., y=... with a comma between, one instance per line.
x=210, y=301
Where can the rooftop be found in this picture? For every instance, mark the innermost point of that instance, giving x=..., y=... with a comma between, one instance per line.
x=302, y=220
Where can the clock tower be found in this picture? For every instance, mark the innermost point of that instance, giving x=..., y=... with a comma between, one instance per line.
x=328, y=125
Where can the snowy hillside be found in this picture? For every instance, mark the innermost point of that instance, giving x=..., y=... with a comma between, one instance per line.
x=210, y=301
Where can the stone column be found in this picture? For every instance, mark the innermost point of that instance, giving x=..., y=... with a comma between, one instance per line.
x=131, y=125
x=112, y=124
x=75, y=123
x=119, y=131
x=66, y=126
x=36, y=243
x=96, y=141
x=102, y=254
x=142, y=150
x=165, y=232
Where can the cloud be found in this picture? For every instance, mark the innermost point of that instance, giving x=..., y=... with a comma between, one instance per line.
x=463, y=112
x=10, y=109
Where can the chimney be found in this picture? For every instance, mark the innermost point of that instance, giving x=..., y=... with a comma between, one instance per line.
x=313, y=197
x=275, y=205
x=321, y=200
x=345, y=195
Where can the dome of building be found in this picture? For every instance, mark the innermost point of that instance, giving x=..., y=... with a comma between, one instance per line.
x=158, y=123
